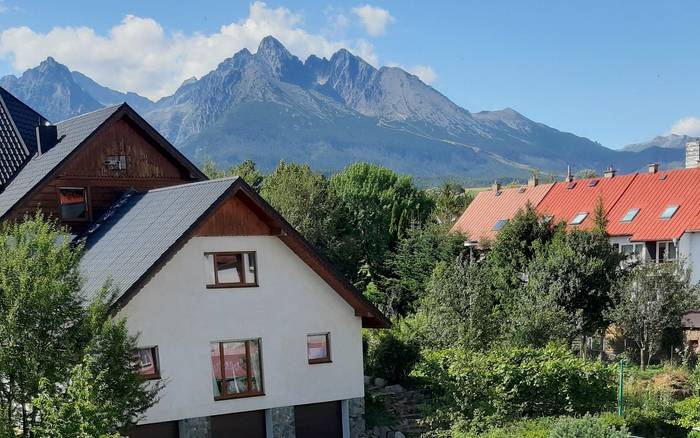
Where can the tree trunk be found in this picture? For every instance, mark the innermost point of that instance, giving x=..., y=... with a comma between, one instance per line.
x=642, y=362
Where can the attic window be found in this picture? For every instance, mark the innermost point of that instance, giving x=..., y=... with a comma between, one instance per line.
x=147, y=363
x=579, y=218
x=630, y=215
x=593, y=183
x=571, y=185
x=72, y=203
x=669, y=212
x=231, y=269
x=499, y=224
x=115, y=162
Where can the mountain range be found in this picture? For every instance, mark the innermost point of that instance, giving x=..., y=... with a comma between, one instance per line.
x=269, y=106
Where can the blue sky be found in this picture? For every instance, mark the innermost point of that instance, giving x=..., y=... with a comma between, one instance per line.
x=614, y=71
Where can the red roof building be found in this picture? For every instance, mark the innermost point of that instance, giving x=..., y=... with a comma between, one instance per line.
x=574, y=202
x=491, y=209
x=639, y=213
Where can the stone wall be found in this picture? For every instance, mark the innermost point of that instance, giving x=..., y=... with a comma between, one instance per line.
x=195, y=428
x=283, y=422
x=356, y=411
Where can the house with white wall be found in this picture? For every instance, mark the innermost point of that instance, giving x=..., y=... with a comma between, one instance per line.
x=253, y=332
x=652, y=216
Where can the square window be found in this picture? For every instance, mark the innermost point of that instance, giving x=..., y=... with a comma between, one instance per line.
x=236, y=367
x=630, y=215
x=579, y=218
x=231, y=269
x=318, y=347
x=669, y=212
x=72, y=203
x=499, y=224
x=147, y=362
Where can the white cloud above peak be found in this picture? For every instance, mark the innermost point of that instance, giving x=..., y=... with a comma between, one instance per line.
x=374, y=19
x=687, y=126
x=139, y=55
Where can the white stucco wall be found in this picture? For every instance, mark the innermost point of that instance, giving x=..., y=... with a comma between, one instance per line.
x=177, y=313
x=689, y=250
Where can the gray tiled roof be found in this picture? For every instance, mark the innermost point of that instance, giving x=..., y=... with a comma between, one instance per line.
x=18, y=125
x=71, y=134
x=25, y=118
x=132, y=236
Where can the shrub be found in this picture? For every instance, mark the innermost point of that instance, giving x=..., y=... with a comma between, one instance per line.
x=688, y=412
x=586, y=427
x=390, y=354
x=528, y=428
x=475, y=391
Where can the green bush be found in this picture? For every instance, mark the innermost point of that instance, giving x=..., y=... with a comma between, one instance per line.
x=649, y=408
x=688, y=412
x=478, y=391
x=390, y=354
x=528, y=428
x=586, y=427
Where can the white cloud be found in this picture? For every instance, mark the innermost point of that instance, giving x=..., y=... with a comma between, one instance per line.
x=687, y=126
x=139, y=55
x=374, y=19
x=424, y=72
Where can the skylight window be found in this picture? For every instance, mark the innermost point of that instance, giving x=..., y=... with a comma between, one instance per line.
x=669, y=212
x=593, y=183
x=630, y=215
x=571, y=185
x=499, y=224
x=579, y=218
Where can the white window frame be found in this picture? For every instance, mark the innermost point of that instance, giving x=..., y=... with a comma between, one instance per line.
x=666, y=244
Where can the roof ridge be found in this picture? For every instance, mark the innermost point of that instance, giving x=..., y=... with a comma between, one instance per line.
x=91, y=112
x=197, y=183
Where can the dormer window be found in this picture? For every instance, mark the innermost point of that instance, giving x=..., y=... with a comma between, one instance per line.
x=630, y=215
x=579, y=218
x=669, y=212
x=231, y=269
x=72, y=202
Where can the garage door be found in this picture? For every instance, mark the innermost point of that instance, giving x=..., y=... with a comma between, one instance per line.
x=166, y=429
x=318, y=420
x=241, y=425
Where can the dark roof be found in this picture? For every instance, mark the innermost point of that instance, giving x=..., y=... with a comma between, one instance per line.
x=132, y=236
x=25, y=118
x=71, y=133
x=18, y=125
x=143, y=230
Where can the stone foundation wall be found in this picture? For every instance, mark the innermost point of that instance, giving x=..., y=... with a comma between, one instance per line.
x=356, y=408
x=195, y=428
x=283, y=422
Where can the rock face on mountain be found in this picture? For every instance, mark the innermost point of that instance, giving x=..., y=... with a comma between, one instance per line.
x=50, y=89
x=671, y=141
x=271, y=106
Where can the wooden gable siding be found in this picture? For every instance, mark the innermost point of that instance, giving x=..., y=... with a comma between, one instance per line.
x=235, y=217
x=146, y=168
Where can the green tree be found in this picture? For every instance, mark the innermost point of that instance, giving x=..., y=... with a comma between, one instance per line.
x=578, y=269
x=411, y=264
x=586, y=173
x=459, y=308
x=305, y=200
x=46, y=327
x=377, y=207
x=249, y=172
x=245, y=169
x=652, y=299
x=450, y=200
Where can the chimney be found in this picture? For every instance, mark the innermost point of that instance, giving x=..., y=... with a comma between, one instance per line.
x=692, y=153
x=609, y=172
x=533, y=181
x=496, y=186
x=569, y=177
x=653, y=167
x=46, y=137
